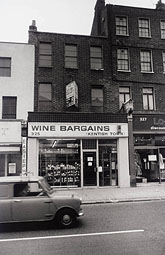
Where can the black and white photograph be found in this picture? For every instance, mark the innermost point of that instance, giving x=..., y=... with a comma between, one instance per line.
x=82, y=127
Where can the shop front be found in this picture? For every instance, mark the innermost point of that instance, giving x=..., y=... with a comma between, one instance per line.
x=149, y=145
x=79, y=154
x=11, y=155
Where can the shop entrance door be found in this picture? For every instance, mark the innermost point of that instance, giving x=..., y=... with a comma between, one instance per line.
x=89, y=168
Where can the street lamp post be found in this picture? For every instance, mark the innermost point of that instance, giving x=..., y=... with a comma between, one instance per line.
x=128, y=108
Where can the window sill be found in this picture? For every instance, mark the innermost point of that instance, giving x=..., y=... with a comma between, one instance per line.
x=124, y=71
x=72, y=68
x=101, y=69
x=145, y=37
x=127, y=35
x=147, y=72
x=45, y=66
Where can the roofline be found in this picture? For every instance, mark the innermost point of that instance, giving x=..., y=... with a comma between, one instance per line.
x=19, y=43
x=63, y=34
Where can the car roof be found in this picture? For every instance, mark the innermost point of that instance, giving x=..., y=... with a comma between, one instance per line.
x=17, y=179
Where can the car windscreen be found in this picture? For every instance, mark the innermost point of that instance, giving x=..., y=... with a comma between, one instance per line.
x=46, y=186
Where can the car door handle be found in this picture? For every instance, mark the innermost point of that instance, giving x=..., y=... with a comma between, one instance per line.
x=17, y=200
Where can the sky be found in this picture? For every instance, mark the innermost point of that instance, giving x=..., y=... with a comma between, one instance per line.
x=57, y=16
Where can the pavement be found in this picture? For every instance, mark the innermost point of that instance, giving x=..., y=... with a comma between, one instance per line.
x=113, y=194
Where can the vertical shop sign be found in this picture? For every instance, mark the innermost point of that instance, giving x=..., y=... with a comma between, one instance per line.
x=71, y=94
x=24, y=170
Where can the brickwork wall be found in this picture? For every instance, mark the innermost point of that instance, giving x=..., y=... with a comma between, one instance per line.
x=85, y=78
x=135, y=79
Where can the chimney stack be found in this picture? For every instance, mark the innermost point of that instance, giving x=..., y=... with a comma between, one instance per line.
x=33, y=27
x=160, y=5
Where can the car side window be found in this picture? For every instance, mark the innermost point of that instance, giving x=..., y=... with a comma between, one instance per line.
x=28, y=189
x=21, y=189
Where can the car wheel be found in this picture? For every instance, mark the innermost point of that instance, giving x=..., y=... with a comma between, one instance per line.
x=66, y=218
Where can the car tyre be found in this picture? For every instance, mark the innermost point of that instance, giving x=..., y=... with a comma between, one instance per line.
x=66, y=218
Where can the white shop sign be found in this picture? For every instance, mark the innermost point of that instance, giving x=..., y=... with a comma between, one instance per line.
x=10, y=131
x=77, y=130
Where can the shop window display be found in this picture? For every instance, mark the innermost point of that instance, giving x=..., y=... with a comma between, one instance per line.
x=59, y=161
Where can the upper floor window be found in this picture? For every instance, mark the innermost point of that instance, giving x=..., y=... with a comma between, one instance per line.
x=121, y=25
x=123, y=60
x=146, y=61
x=96, y=61
x=71, y=56
x=124, y=95
x=45, y=54
x=97, y=99
x=5, y=67
x=144, y=27
x=162, y=29
x=9, y=107
x=163, y=54
x=45, y=97
x=148, y=99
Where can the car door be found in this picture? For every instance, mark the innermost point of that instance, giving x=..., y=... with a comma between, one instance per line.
x=32, y=208
x=5, y=203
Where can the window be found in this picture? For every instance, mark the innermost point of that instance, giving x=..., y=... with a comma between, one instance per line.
x=121, y=25
x=9, y=105
x=97, y=99
x=124, y=95
x=96, y=58
x=148, y=99
x=163, y=54
x=146, y=61
x=162, y=29
x=45, y=97
x=122, y=60
x=71, y=56
x=144, y=27
x=5, y=67
x=45, y=54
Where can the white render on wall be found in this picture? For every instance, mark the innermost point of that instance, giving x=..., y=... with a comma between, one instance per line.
x=21, y=82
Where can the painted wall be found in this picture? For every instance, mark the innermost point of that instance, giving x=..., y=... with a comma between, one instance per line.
x=21, y=82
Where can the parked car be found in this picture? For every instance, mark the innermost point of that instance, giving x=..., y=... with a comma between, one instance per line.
x=24, y=199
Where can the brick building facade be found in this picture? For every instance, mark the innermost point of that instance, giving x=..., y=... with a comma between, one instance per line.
x=136, y=37
x=76, y=134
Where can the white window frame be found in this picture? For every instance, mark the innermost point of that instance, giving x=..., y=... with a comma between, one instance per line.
x=71, y=56
x=121, y=26
x=123, y=59
x=147, y=28
x=45, y=54
x=163, y=60
x=5, y=67
x=162, y=29
x=142, y=62
x=95, y=58
x=124, y=95
x=149, y=97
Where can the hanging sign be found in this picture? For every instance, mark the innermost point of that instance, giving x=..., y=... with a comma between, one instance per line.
x=71, y=94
